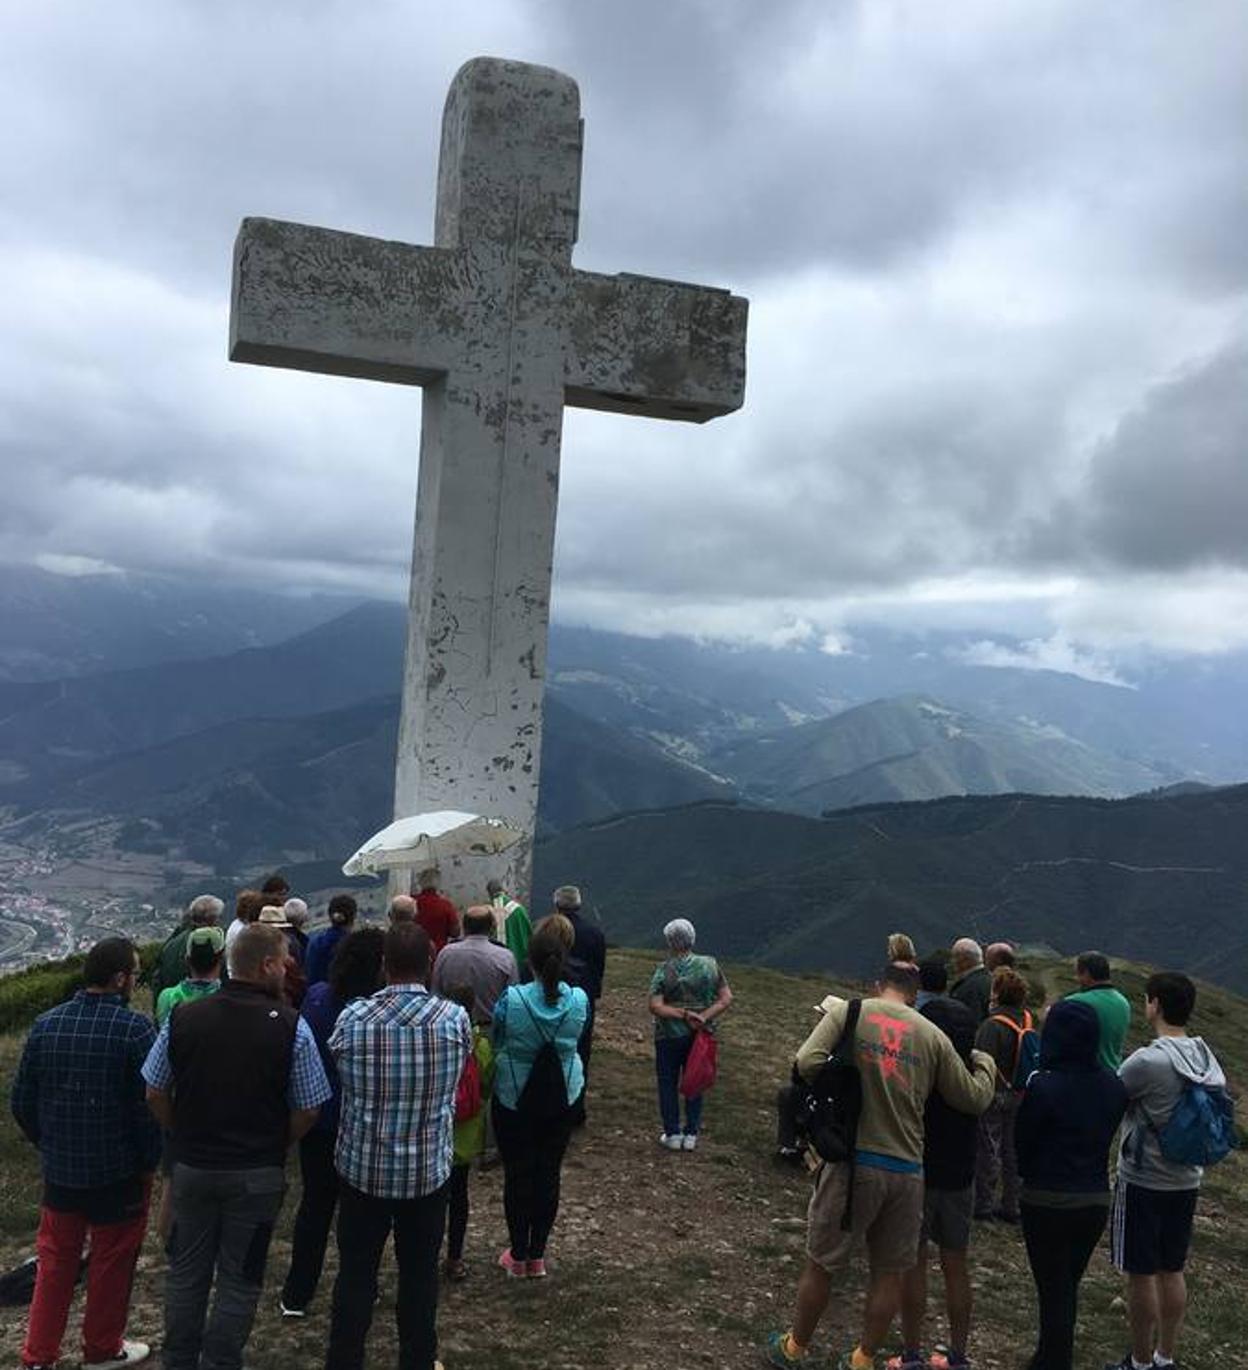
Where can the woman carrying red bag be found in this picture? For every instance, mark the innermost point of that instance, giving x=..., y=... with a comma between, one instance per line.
x=687, y=993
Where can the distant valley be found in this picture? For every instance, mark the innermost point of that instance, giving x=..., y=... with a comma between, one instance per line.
x=263, y=748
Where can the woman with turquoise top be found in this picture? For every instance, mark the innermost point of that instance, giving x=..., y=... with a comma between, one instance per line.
x=538, y=1077
x=687, y=994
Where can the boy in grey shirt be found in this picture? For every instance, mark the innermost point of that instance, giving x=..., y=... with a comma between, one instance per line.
x=1155, y=1200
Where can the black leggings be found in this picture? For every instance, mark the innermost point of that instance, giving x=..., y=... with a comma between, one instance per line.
x=457, y=1225
x=1060, y=1242
x=532, y=1155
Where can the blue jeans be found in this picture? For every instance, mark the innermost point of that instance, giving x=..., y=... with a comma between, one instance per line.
x=670, y=1055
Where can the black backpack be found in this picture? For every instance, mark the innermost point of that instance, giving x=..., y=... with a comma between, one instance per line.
x=545, y=1093
x=831, y=1104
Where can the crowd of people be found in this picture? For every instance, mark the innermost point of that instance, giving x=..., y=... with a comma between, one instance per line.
x=967, y=1109
x=398, y=1057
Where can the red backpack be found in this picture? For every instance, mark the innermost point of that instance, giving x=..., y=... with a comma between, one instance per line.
x=468, y=1090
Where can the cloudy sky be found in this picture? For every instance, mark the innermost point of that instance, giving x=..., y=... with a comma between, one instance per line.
x=996, y=253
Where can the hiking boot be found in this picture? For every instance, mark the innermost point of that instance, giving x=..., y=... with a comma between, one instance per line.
x=674, y=1141
x=775, y=1354
x=789, y=1155
x=515, y=1269
x=537, y=1269
x=131, y=1353
x=455, y=1271
x=689, y=1141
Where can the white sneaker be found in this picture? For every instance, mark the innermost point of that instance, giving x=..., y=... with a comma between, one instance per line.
x=131, y=1353
x=672, y=1140
x=689, y=1140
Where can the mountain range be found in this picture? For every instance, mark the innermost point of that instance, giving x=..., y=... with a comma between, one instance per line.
x=213, y=733
x=1166, y=876
x=56, y=625
x=286, y=747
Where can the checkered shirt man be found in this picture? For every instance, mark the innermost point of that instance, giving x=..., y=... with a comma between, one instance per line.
x=399, y=1054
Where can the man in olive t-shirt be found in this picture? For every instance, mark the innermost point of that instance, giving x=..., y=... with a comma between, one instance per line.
x=1112, y=1009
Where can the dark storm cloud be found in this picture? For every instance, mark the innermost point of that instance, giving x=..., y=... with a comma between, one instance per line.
x=980, y=246
x=1169, y=489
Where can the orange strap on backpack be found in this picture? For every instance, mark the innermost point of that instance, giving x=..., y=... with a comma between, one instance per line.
x=1019, y=1030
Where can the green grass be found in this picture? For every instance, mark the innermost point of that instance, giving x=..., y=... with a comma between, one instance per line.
x=665, y=1259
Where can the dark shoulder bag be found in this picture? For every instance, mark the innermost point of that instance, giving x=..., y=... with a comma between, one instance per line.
x=832, y=1104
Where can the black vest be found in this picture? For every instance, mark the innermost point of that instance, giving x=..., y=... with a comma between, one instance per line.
x=231, y=1054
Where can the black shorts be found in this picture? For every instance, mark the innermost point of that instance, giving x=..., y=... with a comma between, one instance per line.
x=947, y=1217
x=1152, y=1228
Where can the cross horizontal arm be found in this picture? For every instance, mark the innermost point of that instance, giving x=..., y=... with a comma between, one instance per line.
x=639, y=345
x=318, y=300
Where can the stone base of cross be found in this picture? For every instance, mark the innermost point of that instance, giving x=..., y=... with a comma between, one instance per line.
x=501, y=331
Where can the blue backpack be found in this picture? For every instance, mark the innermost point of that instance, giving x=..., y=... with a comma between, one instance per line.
x=1200, y=1129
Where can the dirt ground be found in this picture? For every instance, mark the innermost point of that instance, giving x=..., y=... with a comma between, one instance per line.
x=664, y=1259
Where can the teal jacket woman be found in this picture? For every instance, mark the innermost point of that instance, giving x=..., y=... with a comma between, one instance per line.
x=533, y=1135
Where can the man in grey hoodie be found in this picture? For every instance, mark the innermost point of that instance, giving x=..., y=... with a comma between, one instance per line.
x=1155, y=1201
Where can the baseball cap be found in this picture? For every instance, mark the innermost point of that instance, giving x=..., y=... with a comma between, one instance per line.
x=207, y=937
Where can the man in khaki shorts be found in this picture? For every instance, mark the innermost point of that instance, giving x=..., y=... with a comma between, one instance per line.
x=901, y=1058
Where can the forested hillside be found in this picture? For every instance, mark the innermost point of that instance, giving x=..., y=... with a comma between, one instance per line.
x=1158, y=879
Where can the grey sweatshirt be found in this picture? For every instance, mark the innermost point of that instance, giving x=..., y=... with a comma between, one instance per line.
x=1155, y=1077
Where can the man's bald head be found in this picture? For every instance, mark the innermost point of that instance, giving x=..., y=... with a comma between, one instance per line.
x=402, y=909
x=999, y=954
x=478, y=921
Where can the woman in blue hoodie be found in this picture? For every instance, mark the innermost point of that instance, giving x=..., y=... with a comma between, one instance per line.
x=1063, y=1132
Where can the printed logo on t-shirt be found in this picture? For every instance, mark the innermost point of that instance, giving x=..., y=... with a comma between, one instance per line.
x=890, y=1051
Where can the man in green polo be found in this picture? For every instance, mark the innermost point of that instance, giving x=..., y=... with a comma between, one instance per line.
x=1112, y=1009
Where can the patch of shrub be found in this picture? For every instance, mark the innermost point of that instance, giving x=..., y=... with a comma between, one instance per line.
x=26, y=994
x=30, y=992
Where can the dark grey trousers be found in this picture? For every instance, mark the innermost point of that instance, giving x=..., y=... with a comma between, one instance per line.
x=222, y=1224
x=995, y=1159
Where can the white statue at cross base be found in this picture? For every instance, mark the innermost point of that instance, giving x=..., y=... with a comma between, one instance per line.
x=501, y=331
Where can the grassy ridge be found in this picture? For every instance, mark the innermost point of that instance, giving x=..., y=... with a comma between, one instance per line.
x=687, y=1260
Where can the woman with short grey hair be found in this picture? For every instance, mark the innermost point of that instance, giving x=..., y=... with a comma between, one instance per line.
x=687, y=993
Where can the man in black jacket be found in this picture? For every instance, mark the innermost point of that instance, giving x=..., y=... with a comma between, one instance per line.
x=586, y=969
x=972, y=983
x=948, y=1195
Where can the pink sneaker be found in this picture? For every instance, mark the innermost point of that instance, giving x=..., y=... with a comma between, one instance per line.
x=537, y=1269
x=515, y=1269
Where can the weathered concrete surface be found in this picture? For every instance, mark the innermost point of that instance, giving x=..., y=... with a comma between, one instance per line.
x=502, y=332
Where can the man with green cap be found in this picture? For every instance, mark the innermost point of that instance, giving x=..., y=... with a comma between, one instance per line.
x=205, y=953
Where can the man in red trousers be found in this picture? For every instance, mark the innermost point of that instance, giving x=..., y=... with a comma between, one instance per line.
x=79, y=1097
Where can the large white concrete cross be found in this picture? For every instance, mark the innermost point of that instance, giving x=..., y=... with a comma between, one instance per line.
x=502, y=332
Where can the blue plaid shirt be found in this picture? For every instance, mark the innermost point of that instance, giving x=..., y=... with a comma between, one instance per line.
x=78, y=1092
x=399, y=1054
